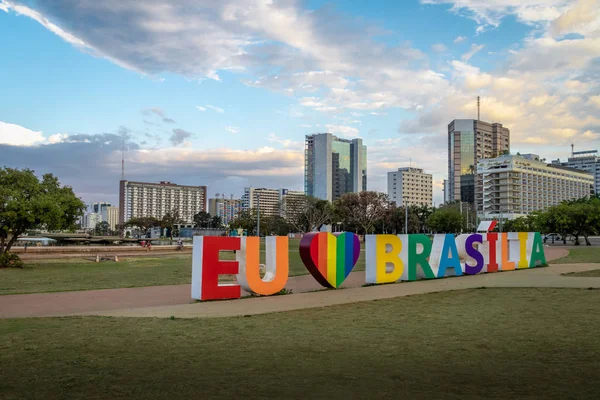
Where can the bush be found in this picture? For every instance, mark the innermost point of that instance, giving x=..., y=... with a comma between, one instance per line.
x=10, y=260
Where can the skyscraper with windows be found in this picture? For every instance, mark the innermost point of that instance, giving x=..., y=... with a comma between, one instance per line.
x=469, y=141
x=334, y=166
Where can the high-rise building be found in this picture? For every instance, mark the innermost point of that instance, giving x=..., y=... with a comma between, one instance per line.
x=410, y=187
x=469, y=141
x=586, y=161
x=227, y=209
x=99, y=208
x=446, y=191
x=111, y=215
x=510, y=186
x=90, y=220
x=141, y=199
x=334, y=166
x=271, y=202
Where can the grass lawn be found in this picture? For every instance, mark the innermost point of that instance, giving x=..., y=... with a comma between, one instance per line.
x=487, y=343
x=581, y=255
x=68, y=275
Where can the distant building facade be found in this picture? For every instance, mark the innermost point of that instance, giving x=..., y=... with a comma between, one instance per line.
x=334, y=166
x=586, y=161
x=469, y=141
x=226, y=209
x=91, y=220
x=99, y=208
x=271, y=202
x=511, y=186
x=142, y=199
x=111, y=215
x=446, y=191
x=410, y=186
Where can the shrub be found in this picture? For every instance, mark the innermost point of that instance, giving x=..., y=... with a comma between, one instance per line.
x=10, y=260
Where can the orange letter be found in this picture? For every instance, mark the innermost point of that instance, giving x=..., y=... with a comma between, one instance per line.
x=277, y=265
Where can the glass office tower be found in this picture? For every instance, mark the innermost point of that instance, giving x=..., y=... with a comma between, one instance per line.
x=334, y=166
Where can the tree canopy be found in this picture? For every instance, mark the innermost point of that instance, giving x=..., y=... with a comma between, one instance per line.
x=27, y=202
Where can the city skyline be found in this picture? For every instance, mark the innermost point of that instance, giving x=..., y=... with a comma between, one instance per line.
x=232, y=110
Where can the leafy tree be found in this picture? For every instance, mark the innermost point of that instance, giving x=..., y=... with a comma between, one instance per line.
x=169, y=220
x=362, y=210
x=202, y=220
x=445, y=220
x=307, y=214
x=246, y=219
x=274, y=225
x=422, y=212
x=27, y=202
x=102, y=229
x=143, y=223
x=216, y=222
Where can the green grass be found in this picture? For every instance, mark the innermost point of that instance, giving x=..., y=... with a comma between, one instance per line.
x=69, y=275
x=486, y=343
x=581, y=255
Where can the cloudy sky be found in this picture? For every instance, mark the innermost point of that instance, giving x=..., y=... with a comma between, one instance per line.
x=222, y=93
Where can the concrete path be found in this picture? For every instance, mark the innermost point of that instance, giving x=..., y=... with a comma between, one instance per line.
x=108, y=301
x=541, y=277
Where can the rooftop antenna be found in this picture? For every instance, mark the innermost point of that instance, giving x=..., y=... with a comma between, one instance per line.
x=478, y=108
x=572, y=149
x=123, y=159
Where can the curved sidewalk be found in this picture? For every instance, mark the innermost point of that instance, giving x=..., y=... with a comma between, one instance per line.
x=147, y=300
x=550, y=277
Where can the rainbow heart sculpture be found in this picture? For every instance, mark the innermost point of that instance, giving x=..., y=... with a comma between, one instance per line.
x=330, y=257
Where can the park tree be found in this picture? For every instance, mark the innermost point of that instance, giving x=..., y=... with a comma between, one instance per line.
x=445, y=220
x=307, y=214
x=102, y=229
x=216, y=222
x=423, y=212
x=27, y=202
x=246, y=219
x=143, y=223
x=169, y=221
x=202, y=220
x=362, y=210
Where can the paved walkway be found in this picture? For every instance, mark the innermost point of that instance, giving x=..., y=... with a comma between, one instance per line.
x=541, y=277
x=148, y=300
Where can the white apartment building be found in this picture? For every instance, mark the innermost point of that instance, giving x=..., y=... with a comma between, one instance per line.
x=141, y=199
x=587, y=160
x=512, y=186
x=270, y=201
x=410, y=186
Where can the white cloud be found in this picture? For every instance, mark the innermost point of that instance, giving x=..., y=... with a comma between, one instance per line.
x=344, y=130
x=577, y=18
x=232, y=129
x=439, y=48
x=595, y=101
x=3, y=6
x=460, y=39
x=17, y=135
x=214, y=108
x=200, y=108
x=474, y=50
x=58, y=138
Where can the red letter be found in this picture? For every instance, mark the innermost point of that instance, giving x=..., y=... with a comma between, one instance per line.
x=212, y=267
x=492, y=238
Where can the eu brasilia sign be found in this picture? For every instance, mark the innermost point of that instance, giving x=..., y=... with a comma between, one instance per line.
x=331, y=257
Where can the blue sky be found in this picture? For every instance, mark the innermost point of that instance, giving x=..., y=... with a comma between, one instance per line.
x=223, y=94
